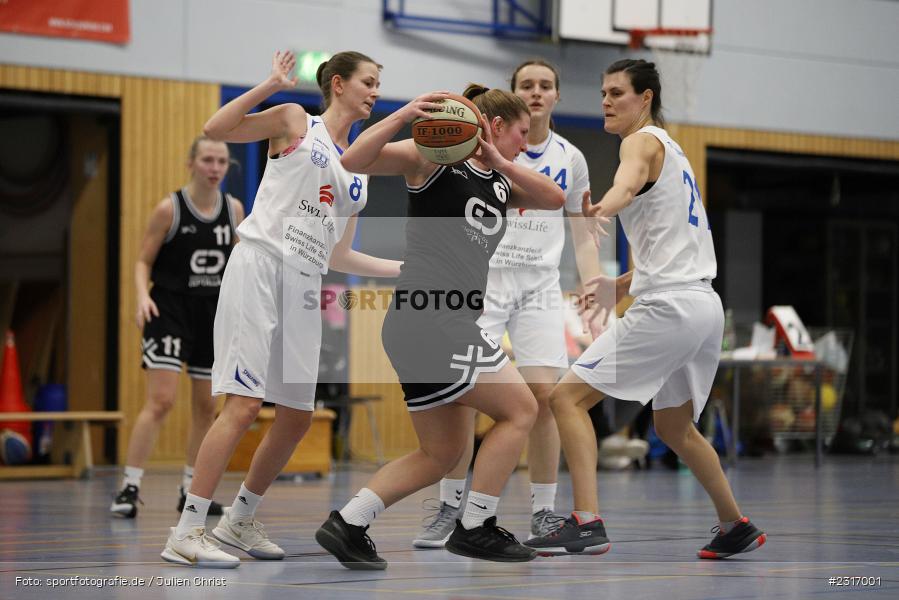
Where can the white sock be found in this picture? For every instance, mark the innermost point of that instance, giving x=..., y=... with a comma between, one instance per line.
x=451, y=491
x=245, y=503
x=729, y=526
x=187, y=477
x=132, y=476
x=478, y=509
x=363, y=508
x=584, y=516
x=193, y=515
x=543, y=496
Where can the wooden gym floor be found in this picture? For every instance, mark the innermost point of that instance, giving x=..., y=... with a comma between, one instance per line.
x=839, y=521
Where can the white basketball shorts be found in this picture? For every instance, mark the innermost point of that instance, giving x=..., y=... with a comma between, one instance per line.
x=529, y=304
x=665, y=349
x=262, y=351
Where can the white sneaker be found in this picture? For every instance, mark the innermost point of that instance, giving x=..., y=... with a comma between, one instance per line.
x=196, y=548
x=248, y=536
x=617, y=445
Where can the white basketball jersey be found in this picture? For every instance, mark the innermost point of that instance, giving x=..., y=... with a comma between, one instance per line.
x=534, y=238
x=304, y=201
x=667, y=226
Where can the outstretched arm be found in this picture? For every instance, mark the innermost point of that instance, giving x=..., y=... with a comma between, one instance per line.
x=347, y=260
x=636, y=154
x=372, y=153
x=234, y=123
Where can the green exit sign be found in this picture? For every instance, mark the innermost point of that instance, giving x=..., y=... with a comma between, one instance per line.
x=307, y=64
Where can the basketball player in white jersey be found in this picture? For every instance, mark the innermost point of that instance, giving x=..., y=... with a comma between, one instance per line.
x=524, y=298
x=667, y=345
x=184, y=252
x=267, y=333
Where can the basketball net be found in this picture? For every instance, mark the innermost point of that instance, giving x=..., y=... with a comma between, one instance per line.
x=679, y=56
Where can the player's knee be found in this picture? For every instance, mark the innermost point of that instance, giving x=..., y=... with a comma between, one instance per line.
x=526, y=412
x=443, y=457
x=672, y=435
x=559, y=400
x=160, y=403
x=242, y=413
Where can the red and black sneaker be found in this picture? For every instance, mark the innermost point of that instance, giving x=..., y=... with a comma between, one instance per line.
x=745, y=537
x=574, y=537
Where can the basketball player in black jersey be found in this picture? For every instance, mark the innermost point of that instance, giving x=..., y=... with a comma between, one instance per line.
x=184, y=252
x=445, y=362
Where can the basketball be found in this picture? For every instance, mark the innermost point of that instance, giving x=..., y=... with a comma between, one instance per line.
x=451, y=135
x=14, y=448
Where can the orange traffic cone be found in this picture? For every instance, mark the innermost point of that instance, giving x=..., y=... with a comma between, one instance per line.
x=11, y=397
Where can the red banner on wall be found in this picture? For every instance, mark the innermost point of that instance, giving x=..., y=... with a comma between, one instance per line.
x=102, y=20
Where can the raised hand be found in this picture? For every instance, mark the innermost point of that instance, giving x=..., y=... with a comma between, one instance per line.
x=422, y=106
x=593, y=220
x=282, y=66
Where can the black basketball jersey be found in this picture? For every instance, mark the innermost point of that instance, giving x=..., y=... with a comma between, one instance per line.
x=456, y=221
x=192, y=259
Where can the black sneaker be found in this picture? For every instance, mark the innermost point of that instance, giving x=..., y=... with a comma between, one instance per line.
x=349, y=544
x=215, y=509
x=125, y=503
x=574, y=537
x=488, y=542
x=745, y=537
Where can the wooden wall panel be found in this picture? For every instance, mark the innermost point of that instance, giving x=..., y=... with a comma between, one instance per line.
x=158, y=121
x=696, y=139
x=88, y=262
x=60, y=82
x=371, y=374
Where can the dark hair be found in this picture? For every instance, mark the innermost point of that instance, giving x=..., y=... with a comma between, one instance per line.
x=496, y=103
x=538, y=62
x=343, y=64
x=644, y=76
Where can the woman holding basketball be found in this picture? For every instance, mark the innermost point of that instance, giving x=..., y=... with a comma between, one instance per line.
x=445, y=362
x=524, y=298
x=267, y=332
x=666, y=347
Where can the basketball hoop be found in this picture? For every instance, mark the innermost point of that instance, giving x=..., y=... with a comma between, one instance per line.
x=679, y=55
x=695, y=40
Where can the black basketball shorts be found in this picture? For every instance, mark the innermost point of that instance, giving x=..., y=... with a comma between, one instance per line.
x=181, y=334
x=438, y=355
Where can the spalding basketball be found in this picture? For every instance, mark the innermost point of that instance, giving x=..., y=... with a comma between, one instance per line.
x=451, y=135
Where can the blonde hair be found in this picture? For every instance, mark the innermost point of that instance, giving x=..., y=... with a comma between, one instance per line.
x=195, y=149
x=195, y=146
